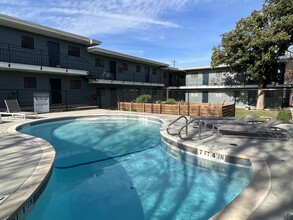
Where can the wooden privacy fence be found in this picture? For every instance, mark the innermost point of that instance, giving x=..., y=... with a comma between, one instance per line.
x=193, y=109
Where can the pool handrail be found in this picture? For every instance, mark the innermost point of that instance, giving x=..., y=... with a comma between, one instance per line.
x=186, y=127
x=173, y=122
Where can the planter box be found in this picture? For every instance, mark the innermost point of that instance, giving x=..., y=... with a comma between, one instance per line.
x=193, y=109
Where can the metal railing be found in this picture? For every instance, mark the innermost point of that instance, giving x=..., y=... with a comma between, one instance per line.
x=16, y=54
x=64, y=99
x=173, y=122
x=138, y=77
x=186, y=128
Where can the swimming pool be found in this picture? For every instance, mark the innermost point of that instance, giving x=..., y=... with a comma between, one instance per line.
x=116, y=168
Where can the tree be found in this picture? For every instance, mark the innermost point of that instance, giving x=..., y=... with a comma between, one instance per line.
x=256, y=44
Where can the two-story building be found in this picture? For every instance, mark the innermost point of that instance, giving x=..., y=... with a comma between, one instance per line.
x=218, y=85
x=72, y=69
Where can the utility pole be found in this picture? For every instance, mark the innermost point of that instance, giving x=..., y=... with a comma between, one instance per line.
x=174, y=63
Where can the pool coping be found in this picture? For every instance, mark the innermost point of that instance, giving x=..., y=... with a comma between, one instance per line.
x=240, y=208
x=245, y=203
x=19, y=203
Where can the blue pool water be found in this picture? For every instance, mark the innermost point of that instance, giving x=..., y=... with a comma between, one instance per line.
x=117, y=169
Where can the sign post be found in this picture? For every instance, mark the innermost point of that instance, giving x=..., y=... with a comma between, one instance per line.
x=41, y=102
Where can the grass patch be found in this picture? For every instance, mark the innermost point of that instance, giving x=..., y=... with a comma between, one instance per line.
x=263, y=114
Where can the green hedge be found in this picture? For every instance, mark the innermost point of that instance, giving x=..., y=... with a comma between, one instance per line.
x=284, y=115
x=143, y=99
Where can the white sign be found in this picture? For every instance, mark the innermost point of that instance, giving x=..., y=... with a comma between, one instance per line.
x=41, y=102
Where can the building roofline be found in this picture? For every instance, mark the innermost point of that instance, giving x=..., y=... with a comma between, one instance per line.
x=204, y=67
x=28, y=26
x=173, y=69
x=104, y=52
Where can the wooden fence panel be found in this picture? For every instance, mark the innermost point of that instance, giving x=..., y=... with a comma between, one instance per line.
x=169, y=109
x=194, y=109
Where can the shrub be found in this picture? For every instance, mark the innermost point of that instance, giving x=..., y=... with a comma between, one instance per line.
x=143, y=99
x=170, y=101
x=284, y=115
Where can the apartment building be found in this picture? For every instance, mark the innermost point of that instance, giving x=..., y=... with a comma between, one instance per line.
x=218, y=85
x=72, y=68
x=75, y=70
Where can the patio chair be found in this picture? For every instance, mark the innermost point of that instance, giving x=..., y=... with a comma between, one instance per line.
x=205, y=119
x=13, y=109
x=267, y=128
x=239, y=121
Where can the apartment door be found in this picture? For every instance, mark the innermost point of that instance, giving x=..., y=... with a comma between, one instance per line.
x=252, y=98
x=113, y=68
x=205, y=97
x=56, y=91
x=54, y=54
x=147, y=74
x=113, y=98
x=170, y=79
x=205, y=79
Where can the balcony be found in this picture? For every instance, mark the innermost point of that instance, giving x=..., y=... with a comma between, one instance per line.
x=13, y=57
x=128, y=78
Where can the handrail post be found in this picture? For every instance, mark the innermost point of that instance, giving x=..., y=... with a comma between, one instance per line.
x=186, y=128
x=66, y=103
x=9, y=53
x=41, y=58
x=199, y=129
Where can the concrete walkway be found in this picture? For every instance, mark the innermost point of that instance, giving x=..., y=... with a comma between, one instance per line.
x=25, y=161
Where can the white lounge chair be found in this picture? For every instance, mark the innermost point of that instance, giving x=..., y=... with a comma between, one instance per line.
x=13, y=109
x=267, y=128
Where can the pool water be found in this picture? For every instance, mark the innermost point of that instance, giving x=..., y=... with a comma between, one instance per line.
x=117, y=169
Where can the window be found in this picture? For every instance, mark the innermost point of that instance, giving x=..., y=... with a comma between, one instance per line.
x=138, y=68
x=124, y=66
x=193, y=94
x=74, y=84
x=219, y=75
x=165, y=75
x=27, y=42
x=195, y=76
x=155, y=71
x=30, y=82
x=100, y=62
x=73, y=51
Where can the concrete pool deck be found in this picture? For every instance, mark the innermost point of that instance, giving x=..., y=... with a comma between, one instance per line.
x=25, y=161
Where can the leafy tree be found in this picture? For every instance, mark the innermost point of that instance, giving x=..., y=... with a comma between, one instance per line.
x=256, y=44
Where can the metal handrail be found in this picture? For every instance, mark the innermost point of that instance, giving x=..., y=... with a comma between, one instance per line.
x=173, y=122
x=12, y=53
x=186, y=127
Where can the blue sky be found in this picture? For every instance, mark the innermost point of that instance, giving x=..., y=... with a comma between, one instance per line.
x=160, y=30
